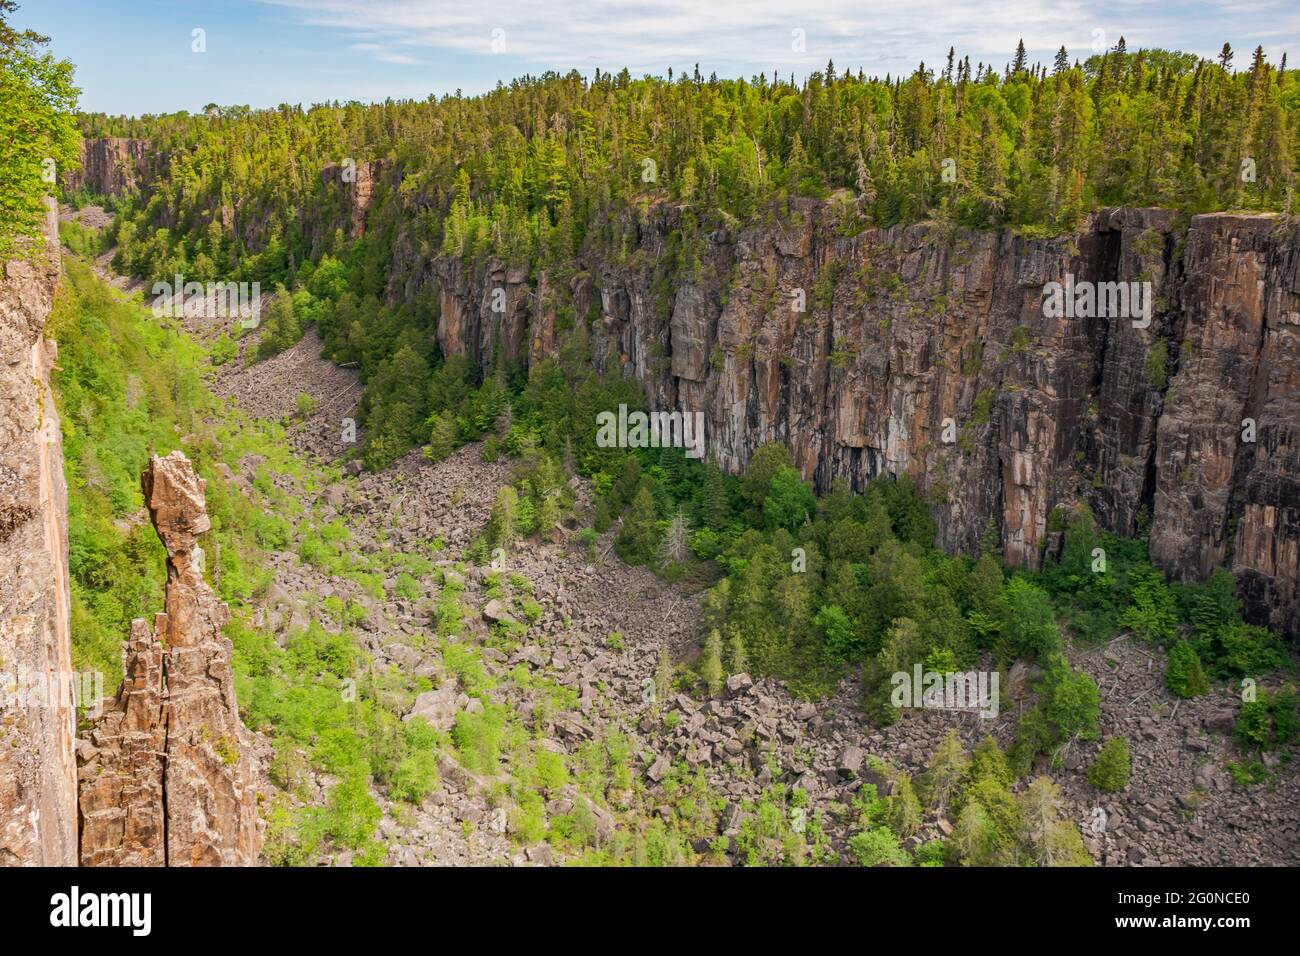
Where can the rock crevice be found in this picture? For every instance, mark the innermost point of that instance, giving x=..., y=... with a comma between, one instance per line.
x=167, y=774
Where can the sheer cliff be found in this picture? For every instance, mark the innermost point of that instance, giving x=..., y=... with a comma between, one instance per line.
x=38, y=778
x=926, y=351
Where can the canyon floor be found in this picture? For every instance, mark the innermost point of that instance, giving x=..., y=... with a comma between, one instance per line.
x=574, y=684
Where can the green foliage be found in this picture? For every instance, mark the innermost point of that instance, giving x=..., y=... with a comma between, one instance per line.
x=878, y=847
x=38, y=134
x=1157, y=365
x=479, y=737
x=711, y=671
x=1110, y=772
x=1183, y=673
x=638, y=540
x=1069, y=710
x=1240, y=650
x=1152, y=612
x=1028, y=625
x=1269, y=722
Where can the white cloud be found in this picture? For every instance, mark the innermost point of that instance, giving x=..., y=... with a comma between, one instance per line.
x=651, y=35
x=736, y=37
x=384, y=54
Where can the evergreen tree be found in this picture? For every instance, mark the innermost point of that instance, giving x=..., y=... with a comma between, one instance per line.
x=638, y=539
x=1021, y=60
x=948, y=765
x=504, y=521
x=675, y=548
x=1184, y=674
x=1111, y=770
x=442, y=435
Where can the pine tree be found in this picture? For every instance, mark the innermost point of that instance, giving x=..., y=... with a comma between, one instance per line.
x=1040, y=807
x=663, y=678
x=442, y=436
x=1062, y=62
x=1184, y=674
x=904, y=809
x=503, y=523
x=638, y=539
x=737, y=656
x=1225, y=57
x=1021, y=59
x=675, y=548
x=713, y=499
x=548, y=514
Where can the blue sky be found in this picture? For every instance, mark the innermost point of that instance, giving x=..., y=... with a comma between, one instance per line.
x=136, y=56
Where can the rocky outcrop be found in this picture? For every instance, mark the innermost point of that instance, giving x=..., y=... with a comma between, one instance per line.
x=925, y=351
x=110, y=166
x=167, y=775
x=38, y=782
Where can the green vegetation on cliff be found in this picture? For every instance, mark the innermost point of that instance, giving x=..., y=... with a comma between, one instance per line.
x=38, y=128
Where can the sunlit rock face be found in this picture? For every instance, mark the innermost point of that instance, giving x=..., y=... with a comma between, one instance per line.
x=38, y=778
x=167, y=774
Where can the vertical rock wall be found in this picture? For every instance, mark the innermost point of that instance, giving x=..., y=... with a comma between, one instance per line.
x=38, y=783
x=910, y=328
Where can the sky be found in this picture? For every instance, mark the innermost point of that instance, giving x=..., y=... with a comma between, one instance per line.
x=151, y=56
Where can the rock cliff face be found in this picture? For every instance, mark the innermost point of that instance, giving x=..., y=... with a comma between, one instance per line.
x=167, y=776
x=911, y=329
x=110, y=166
x=38, y=781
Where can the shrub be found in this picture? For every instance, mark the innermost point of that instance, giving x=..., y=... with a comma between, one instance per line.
x=1111, y=770
x=1183, y=672
x=1151, y=611
x=878, y=847
x=1269, y=722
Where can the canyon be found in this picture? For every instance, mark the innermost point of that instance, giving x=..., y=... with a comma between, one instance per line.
x=1186, y=428
x=921, y=351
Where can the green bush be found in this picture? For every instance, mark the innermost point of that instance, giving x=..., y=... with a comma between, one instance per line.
x=1269, y=722
x=1111, y=770
x=878, y=847
x=1183, y=673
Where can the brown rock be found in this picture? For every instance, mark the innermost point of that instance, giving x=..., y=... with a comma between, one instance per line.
x=172, y=779
x=38, y=777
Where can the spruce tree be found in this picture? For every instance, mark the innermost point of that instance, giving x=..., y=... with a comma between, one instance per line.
x=1111, y=771
x=638, y=539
